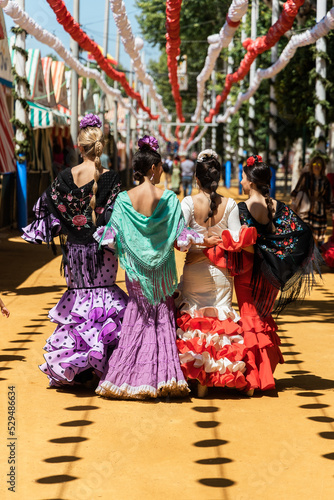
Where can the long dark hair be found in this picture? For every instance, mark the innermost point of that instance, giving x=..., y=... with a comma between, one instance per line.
x=208, y=173
x=143, y=160
x=259, y=173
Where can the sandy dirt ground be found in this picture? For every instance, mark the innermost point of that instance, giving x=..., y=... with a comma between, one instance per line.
x=75, y=445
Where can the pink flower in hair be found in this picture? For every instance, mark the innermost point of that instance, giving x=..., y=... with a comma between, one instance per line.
x=150, y=140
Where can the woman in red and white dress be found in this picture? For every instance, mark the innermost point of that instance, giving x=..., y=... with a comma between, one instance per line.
x=282, y=266
x=210, y=337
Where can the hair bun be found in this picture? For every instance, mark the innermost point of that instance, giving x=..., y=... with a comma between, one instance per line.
x=206, y=155
x=138, y=175
x=145, y=147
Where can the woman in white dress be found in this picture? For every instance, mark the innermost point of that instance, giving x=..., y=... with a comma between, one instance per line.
x=210, y=338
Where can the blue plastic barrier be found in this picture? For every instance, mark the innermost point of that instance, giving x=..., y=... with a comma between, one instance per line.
x=228, y=172
x=273, y=182
x=21, y=189
x=240, y=177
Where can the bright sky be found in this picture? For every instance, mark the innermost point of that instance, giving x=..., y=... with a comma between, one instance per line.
x=91, y=20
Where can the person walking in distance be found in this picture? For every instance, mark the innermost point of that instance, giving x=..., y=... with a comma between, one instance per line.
x=187, y=174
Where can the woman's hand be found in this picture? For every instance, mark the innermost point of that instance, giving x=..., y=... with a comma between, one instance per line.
x=4, y=310
x=212, y=241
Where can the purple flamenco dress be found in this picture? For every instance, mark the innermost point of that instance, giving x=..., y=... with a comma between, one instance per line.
x=89, y=314
x=145, y=363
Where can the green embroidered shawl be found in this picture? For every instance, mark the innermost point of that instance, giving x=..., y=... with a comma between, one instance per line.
x=145, y=245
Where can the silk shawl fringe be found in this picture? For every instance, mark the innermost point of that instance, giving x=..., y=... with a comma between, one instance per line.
x=158, y=280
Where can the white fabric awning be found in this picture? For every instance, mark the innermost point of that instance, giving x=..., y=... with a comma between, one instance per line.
x=42, y=117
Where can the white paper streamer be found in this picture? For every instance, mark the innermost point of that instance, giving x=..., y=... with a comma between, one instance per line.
x=23, y=20
x=217, y=42
x=321, y=29
x=184, y=138
x=132, y=47
x=198, y=138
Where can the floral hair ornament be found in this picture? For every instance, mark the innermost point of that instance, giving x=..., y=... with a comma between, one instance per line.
x=252, y=159
x=150, y=141
x=206, y=155
x=90, y=120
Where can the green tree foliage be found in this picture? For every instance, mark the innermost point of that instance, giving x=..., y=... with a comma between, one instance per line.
x=198, y=20
x=295, y=85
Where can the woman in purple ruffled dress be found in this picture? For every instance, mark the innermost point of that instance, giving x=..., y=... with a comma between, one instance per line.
x=145, y=224
x=90, y=313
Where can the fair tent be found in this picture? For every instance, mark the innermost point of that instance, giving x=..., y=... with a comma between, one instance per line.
x=35, y=76
x=46, y=64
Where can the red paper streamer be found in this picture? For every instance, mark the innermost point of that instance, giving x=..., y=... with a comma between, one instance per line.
x=173, y=9
x=73, y=28
x=256, y=47
x=162, y=134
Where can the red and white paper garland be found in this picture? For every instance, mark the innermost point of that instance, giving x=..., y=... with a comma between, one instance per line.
x=256, y=47
x=173, y=9
x=237, y=10
x=65, y=19
x=23, y=20
x=321, y=29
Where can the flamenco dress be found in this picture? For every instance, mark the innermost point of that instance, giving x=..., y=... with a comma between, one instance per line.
x=318, y=190
x=145, y=363
x=282, y=266
x=210, y=335
x=90, y=312
x=327, y=250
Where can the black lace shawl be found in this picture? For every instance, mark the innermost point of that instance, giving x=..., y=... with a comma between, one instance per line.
x=284, y=261
x=70, y=205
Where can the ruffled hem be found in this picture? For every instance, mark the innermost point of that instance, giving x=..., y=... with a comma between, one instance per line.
x=222, y=255
x=212, y=351
x=247, y=237
x=37, y=231
x=215, y=339
x=235, y=379
x=109, y=237
x=327, y=251
x=195, y=319
x=125, y=391
x=187, y=238
x=89, y=323
x=263, y=352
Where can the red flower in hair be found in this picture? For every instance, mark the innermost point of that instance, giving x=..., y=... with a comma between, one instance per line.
x=250, y=161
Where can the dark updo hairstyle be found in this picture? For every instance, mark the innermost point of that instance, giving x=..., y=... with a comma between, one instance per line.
x=143, y=160
x=259, y=174
x=208, y=173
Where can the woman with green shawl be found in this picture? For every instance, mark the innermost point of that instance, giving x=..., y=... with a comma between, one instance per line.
x=145, y=224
